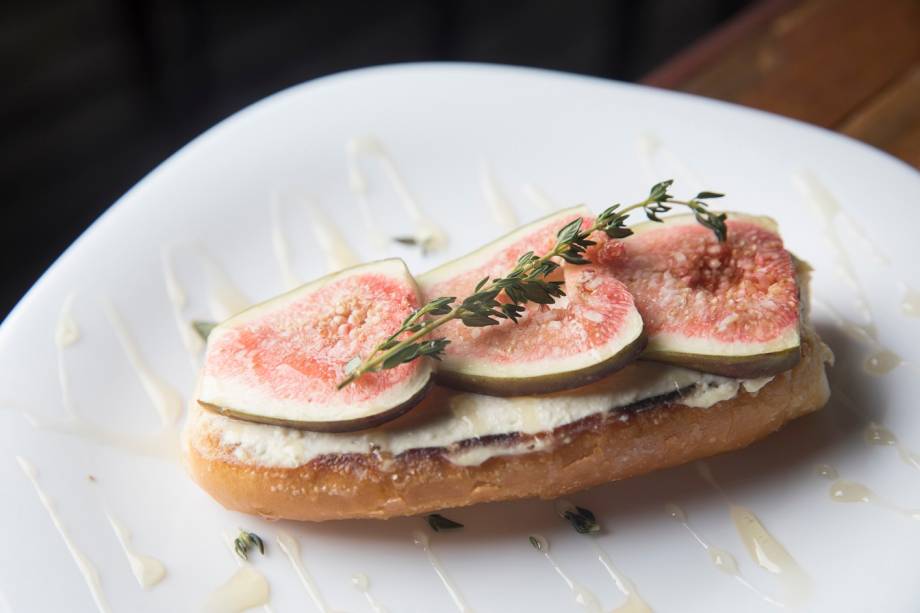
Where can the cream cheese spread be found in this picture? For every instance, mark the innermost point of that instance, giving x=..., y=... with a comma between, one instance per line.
x=446, y=418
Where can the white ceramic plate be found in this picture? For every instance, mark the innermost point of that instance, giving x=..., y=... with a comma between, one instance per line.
x=579, y=140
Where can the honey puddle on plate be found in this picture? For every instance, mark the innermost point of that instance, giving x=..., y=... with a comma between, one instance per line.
x=178, y=300
x=291, y=548
x=634, y=602
x=421, y=539
x=845, y=491
x=722, y=559
x=583, y=596
x=331, y=240
x=539, y=199
x=502, y=212
x=147, y=570
x=762, y=547
x=363, y=585
x=164, y=443
x=245, y=589
x=910, y=301
x=280, y=246
x=825, y=206
x=881, y=360
x=429, y=235
x=224, y=298
x=86, y=568
x=876, y=434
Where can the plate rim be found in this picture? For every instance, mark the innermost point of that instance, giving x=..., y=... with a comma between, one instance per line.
x=265, y=103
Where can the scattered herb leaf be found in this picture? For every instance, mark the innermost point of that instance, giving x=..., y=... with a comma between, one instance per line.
x=582, y=520
x=537, y=544
x=424, y=243
x=586, y=513
x=439, y=522
x=245, y=541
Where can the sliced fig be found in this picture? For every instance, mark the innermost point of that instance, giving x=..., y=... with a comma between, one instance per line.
x=727, y=308
x=278, y=362
x=593, y=330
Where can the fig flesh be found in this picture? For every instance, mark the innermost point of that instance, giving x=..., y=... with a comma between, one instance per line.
x=279, y=362
x=728, y=308
x=593, y=330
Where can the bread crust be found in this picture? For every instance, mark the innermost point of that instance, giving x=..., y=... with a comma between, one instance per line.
x=595, y=450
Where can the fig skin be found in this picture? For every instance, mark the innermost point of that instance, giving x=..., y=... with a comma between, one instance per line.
x=373, y=415
x=749, y=366
x=544, y=384
x=546, y=379
x=739, y=366
x=332, y=426
x=736, y=367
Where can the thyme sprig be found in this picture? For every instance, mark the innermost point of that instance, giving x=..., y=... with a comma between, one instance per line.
x=527, y=282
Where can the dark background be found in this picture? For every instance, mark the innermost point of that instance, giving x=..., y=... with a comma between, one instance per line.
x=95, y=93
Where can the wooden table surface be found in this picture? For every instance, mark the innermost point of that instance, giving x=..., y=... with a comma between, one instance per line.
x=848, y=65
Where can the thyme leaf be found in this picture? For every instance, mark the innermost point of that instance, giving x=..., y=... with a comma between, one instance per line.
x=582, y=520
x=409, y=241
x=246, y=541
x=536, y=543
x=439, y=522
